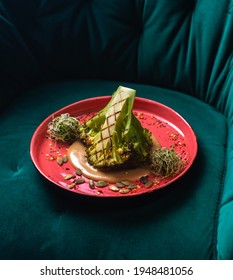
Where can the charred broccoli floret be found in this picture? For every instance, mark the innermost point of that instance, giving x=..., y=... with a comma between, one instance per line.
x=114, y=137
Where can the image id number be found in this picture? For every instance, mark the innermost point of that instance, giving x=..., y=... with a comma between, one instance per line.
x=163, y=270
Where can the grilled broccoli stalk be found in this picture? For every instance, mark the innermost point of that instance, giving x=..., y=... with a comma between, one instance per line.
x=114, y=137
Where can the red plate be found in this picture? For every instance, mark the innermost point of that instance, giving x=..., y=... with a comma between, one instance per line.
x=165, y=124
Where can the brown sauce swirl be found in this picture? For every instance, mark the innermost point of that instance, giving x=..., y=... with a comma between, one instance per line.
x=76, y=155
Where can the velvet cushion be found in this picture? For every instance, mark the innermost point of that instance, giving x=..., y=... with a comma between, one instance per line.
x=40, y=221
x=183, y=45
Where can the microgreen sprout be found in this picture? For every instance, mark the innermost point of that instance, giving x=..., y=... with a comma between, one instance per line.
x=64, y=128
x=166, y=162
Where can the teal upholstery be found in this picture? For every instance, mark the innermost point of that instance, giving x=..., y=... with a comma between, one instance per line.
x=179, y=53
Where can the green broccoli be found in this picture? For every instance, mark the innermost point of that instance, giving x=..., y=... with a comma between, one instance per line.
x=114, y=137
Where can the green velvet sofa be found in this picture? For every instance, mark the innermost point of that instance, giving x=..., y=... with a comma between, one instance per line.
x=178, y=53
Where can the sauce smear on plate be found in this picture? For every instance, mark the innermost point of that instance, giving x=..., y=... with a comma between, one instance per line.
x=76, y=155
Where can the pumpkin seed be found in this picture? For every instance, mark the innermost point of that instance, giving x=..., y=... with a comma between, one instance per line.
x=64, y=159
x=132, y=186
x=101, y=184
x=144, y=179
x=71, y=186
x=120, y=185
x=126, y=183
x=59, y=161
x=149, y=184
x=124, y=191
x=114, y=188
x=91, y=184
x=80, y=181
x=78, y=172
x=68, y=176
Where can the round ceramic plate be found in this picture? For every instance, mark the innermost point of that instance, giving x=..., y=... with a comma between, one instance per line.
x=170, y=129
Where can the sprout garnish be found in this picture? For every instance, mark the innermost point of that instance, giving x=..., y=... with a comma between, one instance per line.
x=64, y=128
x=165, y=162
